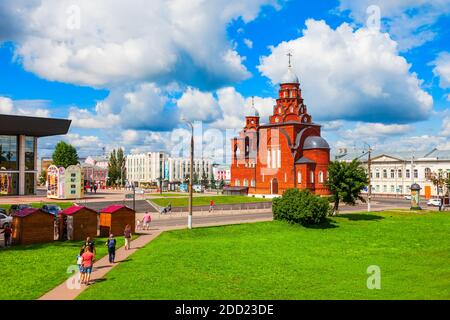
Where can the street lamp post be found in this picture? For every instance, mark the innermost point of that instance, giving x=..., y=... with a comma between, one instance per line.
x=191, y=173
x=369, y=165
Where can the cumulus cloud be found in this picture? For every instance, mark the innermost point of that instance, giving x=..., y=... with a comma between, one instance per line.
x=379, y=130
x=107, y=42
x=410, y=22
x=197, y=105
x=32, y=108
x=446, y=127
x=235, y=107
x=141, y=107
x=248, y=43
x=348, y=74
x=442, y=69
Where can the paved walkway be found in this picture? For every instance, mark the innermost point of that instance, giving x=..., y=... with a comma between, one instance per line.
x=70, y=289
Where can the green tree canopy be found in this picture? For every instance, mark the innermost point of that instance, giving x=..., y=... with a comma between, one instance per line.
x=116, y=167
x=64, y=155
x=346, y=180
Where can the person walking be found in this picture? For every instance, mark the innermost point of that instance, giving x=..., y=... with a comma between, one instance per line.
x=147, y=220
x=111, y=244
x=95, y=188
x=7, y=234
x=169, y=207
x=80, y=263
x=88, y=261
x=127, y=236
x=90, y=244
x=211, y=206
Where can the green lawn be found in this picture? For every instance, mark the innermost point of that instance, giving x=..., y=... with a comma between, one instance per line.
x=276, y=260
x=27, y=272
x=204, y=200
x=62, y=205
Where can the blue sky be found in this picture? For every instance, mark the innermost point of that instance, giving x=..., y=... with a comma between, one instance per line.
x=126, y=73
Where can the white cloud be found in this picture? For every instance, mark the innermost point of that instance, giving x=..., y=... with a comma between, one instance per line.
x=141, y=107
x=349, y=74
x=446, y=127
x=248, y=43
x=235, y=107
x=121, y=41
x=197, y=105
x=24, y=107
x=410, y=22
x=6, y=105
x=442, y=69
x=378, y=130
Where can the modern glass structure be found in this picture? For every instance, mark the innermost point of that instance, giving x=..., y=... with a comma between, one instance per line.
x=18, y=150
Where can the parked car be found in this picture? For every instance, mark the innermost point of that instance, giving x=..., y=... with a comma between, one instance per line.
x=408, y=197
x=51, y=208
x=17, y=207
x=5, y=220
x=434, y=202
x=3, y=211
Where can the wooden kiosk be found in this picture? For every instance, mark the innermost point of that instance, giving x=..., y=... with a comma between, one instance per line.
x=114, y=218
x=77, y=223
x=32, y=226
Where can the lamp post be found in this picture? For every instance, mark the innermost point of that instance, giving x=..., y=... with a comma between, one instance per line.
x=369, y=169
x=191, y=172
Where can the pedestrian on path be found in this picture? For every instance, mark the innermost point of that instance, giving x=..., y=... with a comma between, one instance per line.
x=127, y=236
x=147, y=220
x=88, y=261
x=111, y=244
x=80, y=263
x=7, y=232
x=90, y=244
x=169, y=207
x=211, y=206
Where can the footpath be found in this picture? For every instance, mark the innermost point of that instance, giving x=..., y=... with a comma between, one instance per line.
x=69, y=289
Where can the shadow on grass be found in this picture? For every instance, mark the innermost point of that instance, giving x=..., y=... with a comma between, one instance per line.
x=328, y=224
x=360, y=217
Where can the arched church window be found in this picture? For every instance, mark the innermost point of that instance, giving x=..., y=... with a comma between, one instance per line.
x=311, y=176
x=299, y=177
x=279, y=110
x=320, y=177
x=292, y=109
x=277, y=120
x=237, y=183
x=245, y=183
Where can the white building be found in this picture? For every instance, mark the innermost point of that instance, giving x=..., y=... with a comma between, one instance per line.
x=222, y=172
x=150, y=167
x=179, y=169
x=145, y=167
x=393, y=174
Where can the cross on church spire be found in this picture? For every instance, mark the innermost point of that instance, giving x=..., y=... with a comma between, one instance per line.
x=290, y=56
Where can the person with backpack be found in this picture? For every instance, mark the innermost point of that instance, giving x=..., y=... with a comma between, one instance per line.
x=111, y=244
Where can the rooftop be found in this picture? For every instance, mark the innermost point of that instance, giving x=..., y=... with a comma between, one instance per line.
x=33, y=126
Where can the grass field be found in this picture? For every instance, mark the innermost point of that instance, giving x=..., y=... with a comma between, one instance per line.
x=276, y=260
x=204, y=200
x=28, y=272
x=62, y=205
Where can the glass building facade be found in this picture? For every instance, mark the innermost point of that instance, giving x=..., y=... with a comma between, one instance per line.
x=13, y=168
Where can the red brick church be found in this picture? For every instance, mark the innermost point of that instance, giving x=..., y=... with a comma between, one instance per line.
x=288, y=152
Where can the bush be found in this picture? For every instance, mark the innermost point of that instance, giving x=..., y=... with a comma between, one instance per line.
x=301, y=207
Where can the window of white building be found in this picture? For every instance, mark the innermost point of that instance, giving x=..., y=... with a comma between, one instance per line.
x=408, y=173
x=392, y=173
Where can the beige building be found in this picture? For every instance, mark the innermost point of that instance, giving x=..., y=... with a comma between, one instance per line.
x=392, y=174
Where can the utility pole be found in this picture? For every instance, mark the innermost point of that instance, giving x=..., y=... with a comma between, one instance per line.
x=191, y=169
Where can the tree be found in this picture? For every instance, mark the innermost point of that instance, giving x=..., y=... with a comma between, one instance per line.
x=65, y=155
x=113, y=173
x=301, y=206
x=346, y=180
x=439, y=181
x=43, y=177
x=121, y=165
x=222, y=184
x=212, y=182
